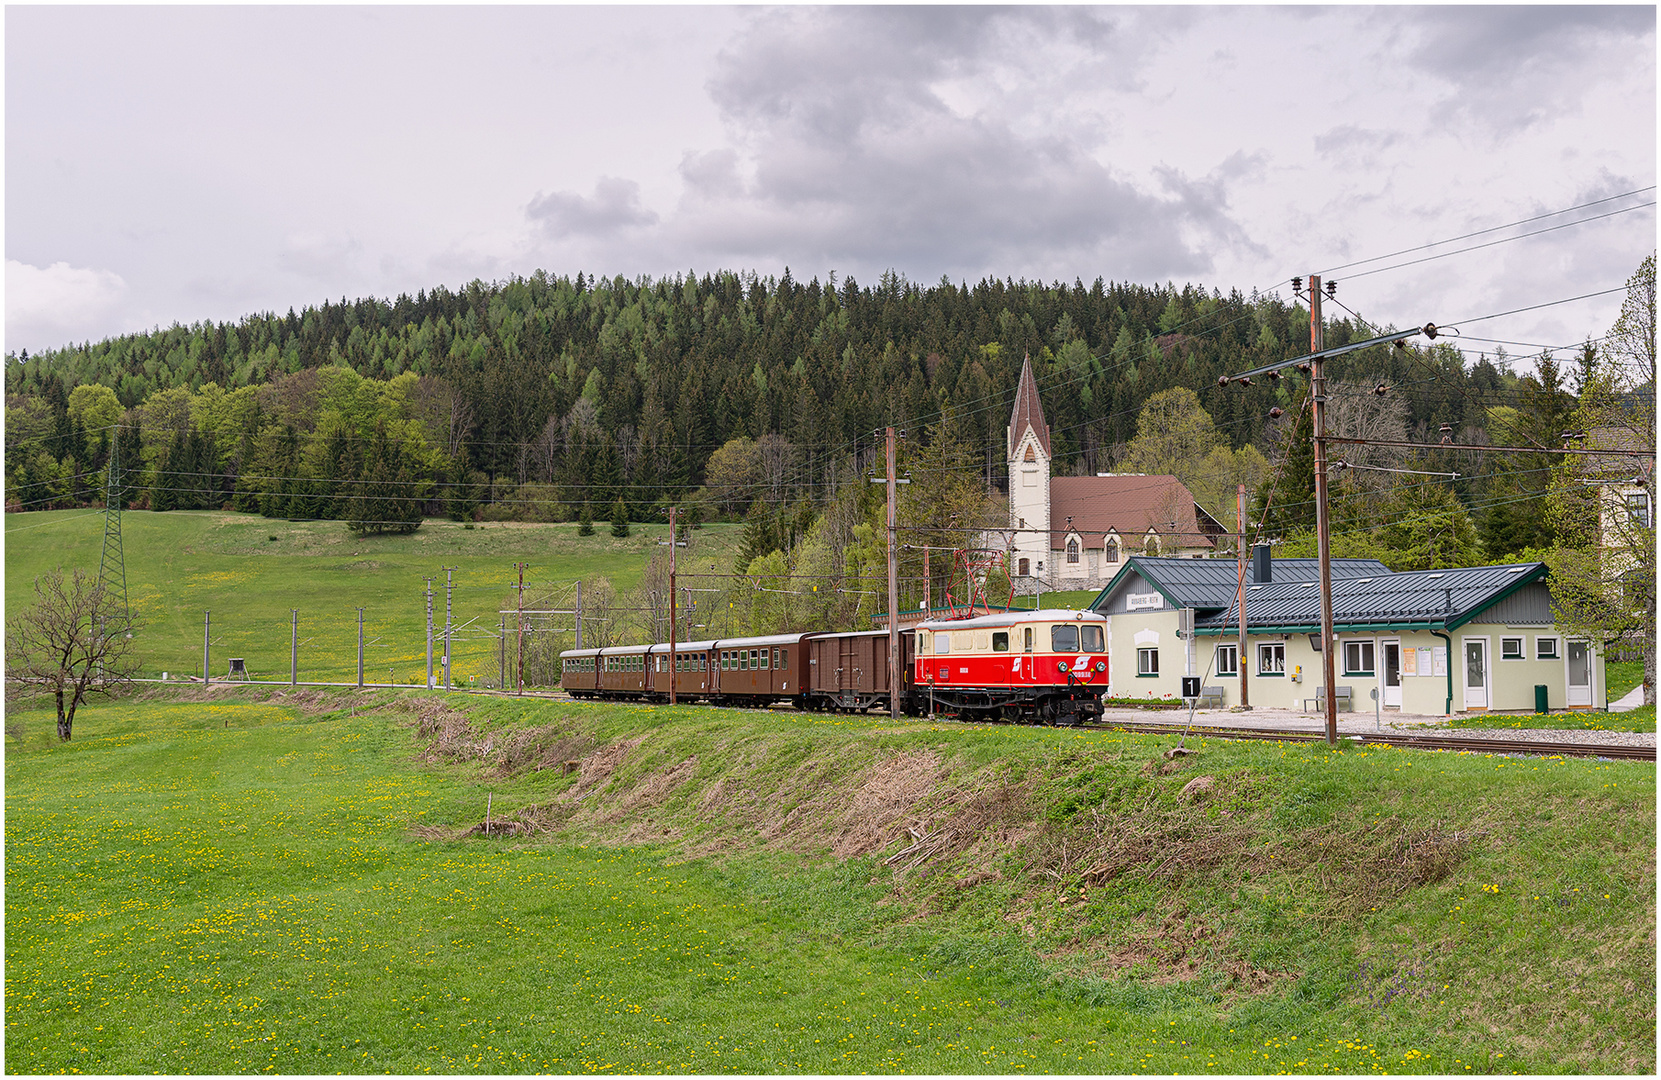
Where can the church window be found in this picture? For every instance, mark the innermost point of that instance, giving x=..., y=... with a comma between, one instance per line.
x=1112, y=551
x=1030, y=455
x=1025, y=568
x=1072, y=550
x=1029, y=477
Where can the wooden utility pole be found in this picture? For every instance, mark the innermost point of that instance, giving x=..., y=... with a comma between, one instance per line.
x=1323, y=521
x=673, y=643
x=207, y=626
x=1240, y=545
x=360, y=648
x=893, y=589
x=294, y=646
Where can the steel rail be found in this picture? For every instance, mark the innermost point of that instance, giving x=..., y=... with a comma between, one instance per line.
x=1412, y=742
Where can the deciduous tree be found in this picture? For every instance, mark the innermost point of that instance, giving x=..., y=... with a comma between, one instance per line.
x=73, y=642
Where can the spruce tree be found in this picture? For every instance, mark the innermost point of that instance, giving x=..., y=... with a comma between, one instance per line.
x=619, y=519
x=585, y=522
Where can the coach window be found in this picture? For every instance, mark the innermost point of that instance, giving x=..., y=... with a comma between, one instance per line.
x=1092, y=639
x=1000, y=641
x=1064, y=638
x=766, y=659
x=784, y=660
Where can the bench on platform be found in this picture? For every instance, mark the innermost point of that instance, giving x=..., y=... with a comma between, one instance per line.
x=1346, y=703
x=1211, y=696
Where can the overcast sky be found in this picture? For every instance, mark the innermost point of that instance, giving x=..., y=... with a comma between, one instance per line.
x=174, y=164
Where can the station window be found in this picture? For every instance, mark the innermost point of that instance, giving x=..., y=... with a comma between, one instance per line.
x=1545, y=648
x=1147, y=662
x=1228, y=659
x=1271, y=659
x=1358, y=658
x=1511, y=648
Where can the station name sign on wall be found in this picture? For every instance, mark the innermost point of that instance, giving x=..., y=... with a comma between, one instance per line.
x=1141, y=601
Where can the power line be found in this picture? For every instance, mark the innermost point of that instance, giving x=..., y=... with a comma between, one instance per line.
x=1484, y=232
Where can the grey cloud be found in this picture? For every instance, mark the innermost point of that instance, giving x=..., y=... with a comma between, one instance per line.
x=856, y=159
x=614, y=207
x=711, y=174
x=1510, y=67
x=1352, y=139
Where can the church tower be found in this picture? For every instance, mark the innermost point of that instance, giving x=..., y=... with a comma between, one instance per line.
x=1029, y=479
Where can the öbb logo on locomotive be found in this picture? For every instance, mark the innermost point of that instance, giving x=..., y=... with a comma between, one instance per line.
x=1040, y=667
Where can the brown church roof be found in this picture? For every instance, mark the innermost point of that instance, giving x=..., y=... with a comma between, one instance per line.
x=1028, y=411
x=1128, y=505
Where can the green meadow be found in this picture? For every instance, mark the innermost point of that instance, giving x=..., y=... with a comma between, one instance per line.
x=249, y=572
x=248, y=880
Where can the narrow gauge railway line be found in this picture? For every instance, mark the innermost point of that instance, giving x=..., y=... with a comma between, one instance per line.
x=1412, y=742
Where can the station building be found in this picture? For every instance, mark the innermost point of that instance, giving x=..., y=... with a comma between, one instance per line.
x=1434, y=642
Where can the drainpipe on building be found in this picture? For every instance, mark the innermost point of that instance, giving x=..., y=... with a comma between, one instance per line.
x=1447, y=709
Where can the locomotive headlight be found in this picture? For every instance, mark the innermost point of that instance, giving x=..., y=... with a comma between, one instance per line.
x=1061, y=667
x=1101, y=665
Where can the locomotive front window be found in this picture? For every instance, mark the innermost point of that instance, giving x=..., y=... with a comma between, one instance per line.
x=1093, y=638
x=1064, y=638
x=1000, y=641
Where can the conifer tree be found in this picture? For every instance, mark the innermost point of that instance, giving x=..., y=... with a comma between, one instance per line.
x=619, y=519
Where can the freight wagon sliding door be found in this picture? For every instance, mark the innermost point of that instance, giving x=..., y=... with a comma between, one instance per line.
x=847, y=663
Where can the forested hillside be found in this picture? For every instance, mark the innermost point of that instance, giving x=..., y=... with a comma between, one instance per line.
x=603, y=389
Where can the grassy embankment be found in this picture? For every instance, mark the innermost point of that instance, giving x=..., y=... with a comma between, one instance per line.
x=298, y=884
x=181, y=564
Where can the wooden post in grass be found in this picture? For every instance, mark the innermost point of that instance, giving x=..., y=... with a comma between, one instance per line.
x=207, y=626
x=360, y=648
x=294, y=646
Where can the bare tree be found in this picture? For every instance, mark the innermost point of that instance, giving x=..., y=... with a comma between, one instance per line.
x=74, y=642
x=777, y=458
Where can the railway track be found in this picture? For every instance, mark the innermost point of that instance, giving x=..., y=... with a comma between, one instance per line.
x=1457, y=743
x=1415, y=742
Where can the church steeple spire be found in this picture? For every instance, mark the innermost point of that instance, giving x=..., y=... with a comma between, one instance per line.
x=1029, y=412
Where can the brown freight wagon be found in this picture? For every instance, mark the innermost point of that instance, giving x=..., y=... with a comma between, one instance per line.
x=849, y=672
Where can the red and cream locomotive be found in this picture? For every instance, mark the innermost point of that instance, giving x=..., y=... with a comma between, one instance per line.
x=1047, y=667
